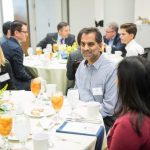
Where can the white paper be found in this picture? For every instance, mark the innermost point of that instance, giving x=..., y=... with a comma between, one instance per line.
x=81, y=127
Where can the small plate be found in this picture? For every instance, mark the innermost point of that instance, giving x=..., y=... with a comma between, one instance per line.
x=39, y=112
x=12, y=137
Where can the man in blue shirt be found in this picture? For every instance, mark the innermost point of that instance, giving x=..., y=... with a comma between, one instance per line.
x=96, y=75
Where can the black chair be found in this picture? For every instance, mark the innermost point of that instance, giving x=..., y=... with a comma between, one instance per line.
x=145, y=54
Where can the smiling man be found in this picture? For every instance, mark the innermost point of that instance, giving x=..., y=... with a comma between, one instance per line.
x=96, y=75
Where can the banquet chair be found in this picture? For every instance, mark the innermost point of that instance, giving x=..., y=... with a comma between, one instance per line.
x=100, y=138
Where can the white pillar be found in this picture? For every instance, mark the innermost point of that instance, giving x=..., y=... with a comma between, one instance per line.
x=119, y=11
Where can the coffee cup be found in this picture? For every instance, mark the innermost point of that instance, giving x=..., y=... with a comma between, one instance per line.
x=93, y=109
x=40, y=141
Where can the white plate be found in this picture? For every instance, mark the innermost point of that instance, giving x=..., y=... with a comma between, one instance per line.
x=63, y=61
x=37, y=113
x=14, y=138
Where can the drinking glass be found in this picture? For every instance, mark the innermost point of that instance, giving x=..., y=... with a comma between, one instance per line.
x=5, y=128
x=55, y=47
x=38, y=51
x=36, y=87
x=30, y=51
x=73, y=98
x=22, y=129
x=57, y=102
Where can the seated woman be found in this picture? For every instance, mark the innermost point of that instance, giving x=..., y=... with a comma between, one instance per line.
x=131, y=130
x=5, y=73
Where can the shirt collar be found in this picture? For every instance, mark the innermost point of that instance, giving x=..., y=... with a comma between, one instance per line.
x=97, y=64
x=59, y=38
x=130, y=43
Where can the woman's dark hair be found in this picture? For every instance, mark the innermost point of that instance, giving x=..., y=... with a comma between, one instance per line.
x=134, y=86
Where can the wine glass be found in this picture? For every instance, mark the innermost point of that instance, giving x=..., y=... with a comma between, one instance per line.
x=38, y=51
x=5, y=128
x=73, y=98
x=55, y=47
x=36, y=87
x=57, y=102
x=30, y=51
x=22, y=129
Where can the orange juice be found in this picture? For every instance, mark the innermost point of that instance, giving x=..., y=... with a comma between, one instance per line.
x=57, y=102
x=5, y=124
x=38, y=51
x=55, y=47
x=36, y=86
x=51, y=55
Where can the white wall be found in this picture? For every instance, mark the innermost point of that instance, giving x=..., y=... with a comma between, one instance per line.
x=120, y=11
x=0, y=19
x=142, y=8
x=81, y=14
x=47, y=16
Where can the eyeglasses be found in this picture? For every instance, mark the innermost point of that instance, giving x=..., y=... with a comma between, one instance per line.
x=26, y=32
x=109, y=31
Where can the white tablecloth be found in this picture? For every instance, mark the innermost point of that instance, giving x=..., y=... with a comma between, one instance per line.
x=54, y=72
x=60, y=140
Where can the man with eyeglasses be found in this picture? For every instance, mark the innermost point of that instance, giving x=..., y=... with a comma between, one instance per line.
x=13, y=52
x=112, y=38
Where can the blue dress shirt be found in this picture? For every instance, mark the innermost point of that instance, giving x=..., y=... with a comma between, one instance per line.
x=97, y=82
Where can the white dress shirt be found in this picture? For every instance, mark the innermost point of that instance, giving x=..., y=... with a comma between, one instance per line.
x=133, y=48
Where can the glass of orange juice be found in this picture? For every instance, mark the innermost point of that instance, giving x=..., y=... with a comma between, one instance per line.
x=55, y=47
x=36, y=87
x=38, y=50
x=5, y=129
x=57, y=100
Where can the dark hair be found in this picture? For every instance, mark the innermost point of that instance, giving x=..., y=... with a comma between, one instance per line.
x=130, y=28
x=134, y=86
x=6, y=27
x=98, y=36
x=61, y=25
x=17, y=26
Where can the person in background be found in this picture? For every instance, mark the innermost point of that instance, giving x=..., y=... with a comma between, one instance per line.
x=62, y=36
x=73, y=61
x=112, y=38
x=96, y=75
x=14, y=54
x=6, y=78
x=127, y=34
x=6, y=32
x=131, y=130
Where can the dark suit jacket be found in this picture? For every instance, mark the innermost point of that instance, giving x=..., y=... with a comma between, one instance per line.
x=7, y=69
x=14, y=54
x=73, y=61
x=51, y=38
x=117, y=45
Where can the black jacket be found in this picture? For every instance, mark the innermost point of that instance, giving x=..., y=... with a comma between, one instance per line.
x=51, y=38
x=3, y=70
x=117, y=45
x=14, y=54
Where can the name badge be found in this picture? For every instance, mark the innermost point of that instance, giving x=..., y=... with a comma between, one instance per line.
x=4, y=77
x=97, y=91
